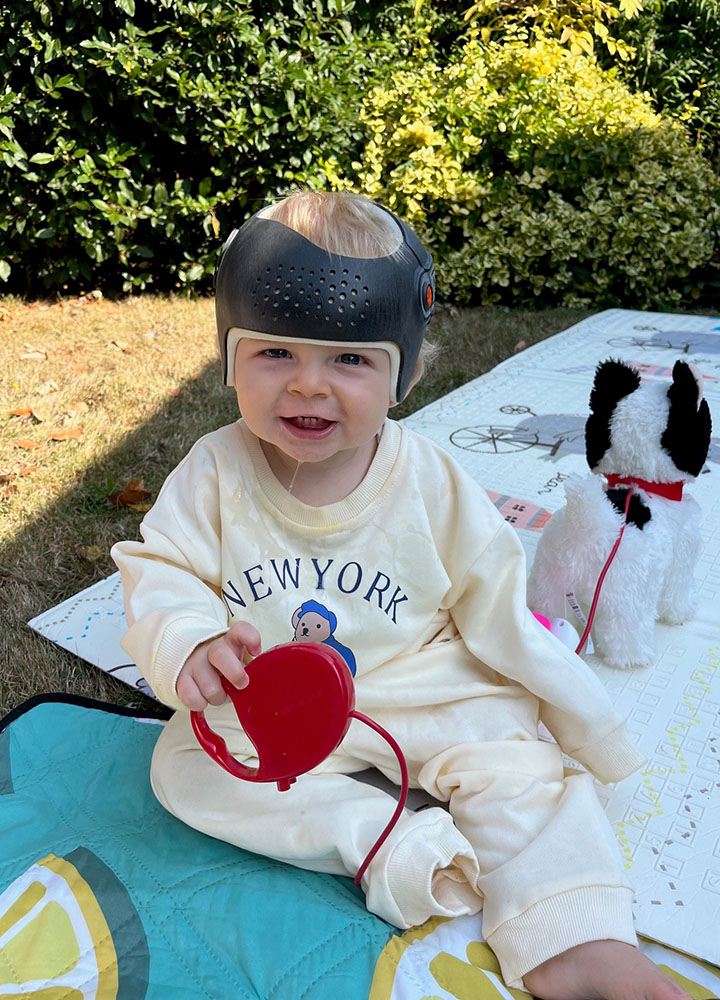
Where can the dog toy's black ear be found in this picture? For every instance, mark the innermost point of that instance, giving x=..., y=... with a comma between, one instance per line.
x=686, y=438
x=613, y=381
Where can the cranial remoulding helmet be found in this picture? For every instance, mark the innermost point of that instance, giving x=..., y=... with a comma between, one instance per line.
x=272, y=281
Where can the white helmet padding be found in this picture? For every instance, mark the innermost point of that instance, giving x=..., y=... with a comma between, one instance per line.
x=271, y=280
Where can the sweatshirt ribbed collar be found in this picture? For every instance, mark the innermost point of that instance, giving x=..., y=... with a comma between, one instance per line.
x=334, y=515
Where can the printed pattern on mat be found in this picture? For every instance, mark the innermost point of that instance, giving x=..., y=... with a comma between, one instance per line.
x=91, y=625
x=449, y=960
x=53, y=931
x=519, y=430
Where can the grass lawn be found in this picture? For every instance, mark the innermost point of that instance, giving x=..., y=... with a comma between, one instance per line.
x=95, y=395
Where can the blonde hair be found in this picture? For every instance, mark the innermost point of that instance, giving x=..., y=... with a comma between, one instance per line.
x=429, y=352
x=349, y=224
x=339, y=222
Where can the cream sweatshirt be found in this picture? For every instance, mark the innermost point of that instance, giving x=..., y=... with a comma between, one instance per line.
x=416, y=544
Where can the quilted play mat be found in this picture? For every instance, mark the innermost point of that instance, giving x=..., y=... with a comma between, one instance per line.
x=108, y=897
x=102, y=894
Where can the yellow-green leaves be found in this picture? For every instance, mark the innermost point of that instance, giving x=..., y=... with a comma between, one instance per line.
x=535, y=175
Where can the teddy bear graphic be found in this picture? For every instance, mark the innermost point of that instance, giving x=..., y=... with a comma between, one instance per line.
x=313, y=622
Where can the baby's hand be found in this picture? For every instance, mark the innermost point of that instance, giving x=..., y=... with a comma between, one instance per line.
x=606, y=969
x=199, y=682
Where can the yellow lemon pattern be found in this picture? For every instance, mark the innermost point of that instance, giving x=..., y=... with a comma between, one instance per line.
x=55, y=943
x=479, y=976
x=448, y=960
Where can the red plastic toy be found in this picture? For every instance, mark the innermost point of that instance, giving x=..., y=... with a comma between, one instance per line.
x=296, y=710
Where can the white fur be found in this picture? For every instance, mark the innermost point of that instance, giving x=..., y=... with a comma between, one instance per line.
x=635, y=428
x=651, y=576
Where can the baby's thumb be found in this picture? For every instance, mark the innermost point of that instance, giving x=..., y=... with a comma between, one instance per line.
x=243, y=638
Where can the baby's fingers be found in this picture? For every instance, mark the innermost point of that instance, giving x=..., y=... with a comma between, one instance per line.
x=196, y=694
x=243, y=637
x=225, y=659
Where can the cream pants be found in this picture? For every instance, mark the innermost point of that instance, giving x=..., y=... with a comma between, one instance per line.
x=519, y=838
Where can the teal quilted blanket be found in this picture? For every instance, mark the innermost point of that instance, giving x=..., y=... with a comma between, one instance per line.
x=104, y=895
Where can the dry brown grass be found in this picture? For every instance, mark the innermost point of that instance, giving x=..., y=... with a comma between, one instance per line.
x=127, y=387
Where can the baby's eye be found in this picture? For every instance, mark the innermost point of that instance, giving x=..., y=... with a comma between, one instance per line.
x=276, y=352
x=351, y=359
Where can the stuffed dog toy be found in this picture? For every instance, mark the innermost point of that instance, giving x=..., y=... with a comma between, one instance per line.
x=653, y=439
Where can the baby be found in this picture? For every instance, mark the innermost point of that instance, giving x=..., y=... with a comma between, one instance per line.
x=315, y=506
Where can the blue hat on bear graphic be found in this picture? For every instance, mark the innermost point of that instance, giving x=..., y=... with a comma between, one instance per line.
x=321, y=610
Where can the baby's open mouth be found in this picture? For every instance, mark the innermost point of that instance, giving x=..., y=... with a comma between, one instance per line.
x=310, y=423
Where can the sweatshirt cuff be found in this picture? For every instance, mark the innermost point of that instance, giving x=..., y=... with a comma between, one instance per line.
x=552, y=926
x=177, y=642
x=611, y=758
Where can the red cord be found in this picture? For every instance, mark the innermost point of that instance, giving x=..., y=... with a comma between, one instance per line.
x=403, y=791
x=606, y=567
x=404, y=781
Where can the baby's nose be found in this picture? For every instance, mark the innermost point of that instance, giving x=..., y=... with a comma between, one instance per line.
x=310, y=380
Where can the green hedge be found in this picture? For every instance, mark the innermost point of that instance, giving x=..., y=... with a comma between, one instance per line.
x=135, y=133
x=677, y=60
x=535, y=175
x=132, y=132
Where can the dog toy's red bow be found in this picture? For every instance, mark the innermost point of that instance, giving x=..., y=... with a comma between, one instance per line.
x=671, y=491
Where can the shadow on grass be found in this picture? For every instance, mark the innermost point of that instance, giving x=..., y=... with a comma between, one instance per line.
x=46, y=562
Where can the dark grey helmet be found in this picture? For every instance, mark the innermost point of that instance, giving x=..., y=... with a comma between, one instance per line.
x=271, y=280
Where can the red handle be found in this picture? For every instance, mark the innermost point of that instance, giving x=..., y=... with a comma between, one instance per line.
x=295, y=711
x=213, y=744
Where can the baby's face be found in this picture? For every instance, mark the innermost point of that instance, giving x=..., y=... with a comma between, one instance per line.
x=312, y=402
